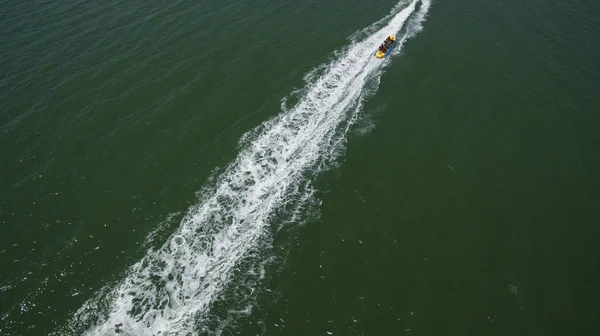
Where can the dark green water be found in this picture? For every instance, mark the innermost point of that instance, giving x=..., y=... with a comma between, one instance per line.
x=461, y=197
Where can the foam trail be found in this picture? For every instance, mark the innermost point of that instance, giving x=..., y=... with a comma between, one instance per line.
x=171, y=289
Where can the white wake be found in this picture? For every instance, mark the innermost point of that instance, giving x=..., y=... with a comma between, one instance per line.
x=171, y=289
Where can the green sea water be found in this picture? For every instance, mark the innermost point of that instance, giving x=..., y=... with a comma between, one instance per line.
x=249, y=168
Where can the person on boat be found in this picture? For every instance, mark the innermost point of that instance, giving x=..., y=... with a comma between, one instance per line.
x=381, y=47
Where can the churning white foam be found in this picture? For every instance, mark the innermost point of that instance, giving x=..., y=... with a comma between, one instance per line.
x=171, y=289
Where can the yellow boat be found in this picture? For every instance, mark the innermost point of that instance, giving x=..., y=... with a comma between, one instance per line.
x=387, y=49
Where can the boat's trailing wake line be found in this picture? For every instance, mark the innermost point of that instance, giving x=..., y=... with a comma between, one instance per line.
x=171, y=289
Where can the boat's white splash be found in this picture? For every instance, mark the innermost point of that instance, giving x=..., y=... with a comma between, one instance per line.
x=172, y=289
